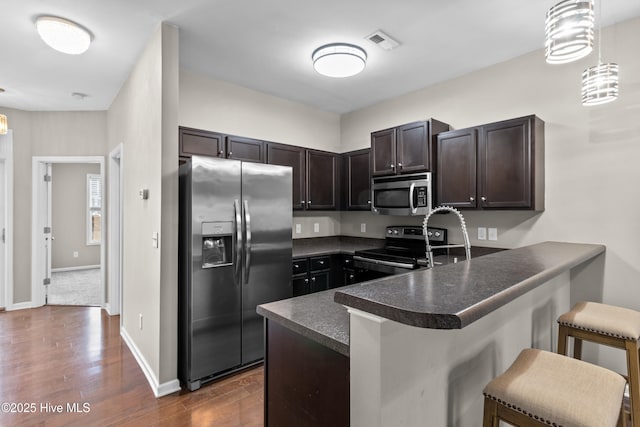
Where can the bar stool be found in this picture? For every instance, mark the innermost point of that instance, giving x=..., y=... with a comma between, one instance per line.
x=609, y=325
x=547, y=389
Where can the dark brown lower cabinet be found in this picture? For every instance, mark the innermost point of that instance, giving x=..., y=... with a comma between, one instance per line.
x=306, y=383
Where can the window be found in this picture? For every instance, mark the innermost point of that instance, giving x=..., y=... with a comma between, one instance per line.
x=94, y=209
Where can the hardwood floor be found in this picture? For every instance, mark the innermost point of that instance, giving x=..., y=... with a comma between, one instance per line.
x=61, y=355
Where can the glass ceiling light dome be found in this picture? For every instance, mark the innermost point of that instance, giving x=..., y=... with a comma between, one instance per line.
x=569, y=31
x=63, y=35
x=339, y=60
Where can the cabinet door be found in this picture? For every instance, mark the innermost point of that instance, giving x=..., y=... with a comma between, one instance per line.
x=358, y=180
x=300, y=285
x=319, y=281
x=456, y=171
x=505, y=164
x=322, y=173
x=247, y=149
x=200, y=142
x=289, y=155
x=413, y=150
x=383, y=152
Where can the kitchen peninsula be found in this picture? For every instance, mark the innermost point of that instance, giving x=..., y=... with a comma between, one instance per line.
x=416, y=348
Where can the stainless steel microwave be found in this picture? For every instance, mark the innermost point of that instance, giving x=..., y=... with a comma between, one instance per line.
x=401, y=194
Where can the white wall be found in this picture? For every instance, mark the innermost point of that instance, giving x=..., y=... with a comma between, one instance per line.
x=143, y=117
x=591, y=154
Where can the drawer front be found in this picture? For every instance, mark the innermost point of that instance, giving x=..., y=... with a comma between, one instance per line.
x=320, y=263
x=299, y=265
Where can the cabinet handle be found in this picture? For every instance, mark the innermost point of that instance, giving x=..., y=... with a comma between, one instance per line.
x=368, y=202
x=483, y=198
x=309, y=202
x=220, y=153
x=230, y=154
x=321, y=262
x=393, y=166
x=306, y=280
x=296, y=265
x=400, y=165
x=313, y=279
x=471, y=199
x=351, y=277
x=302, y=202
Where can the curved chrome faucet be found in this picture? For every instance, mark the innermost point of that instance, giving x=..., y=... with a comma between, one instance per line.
x=463, y=227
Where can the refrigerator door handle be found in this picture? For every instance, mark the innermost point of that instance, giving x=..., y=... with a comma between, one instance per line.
x=239, y=243
x=247, y=253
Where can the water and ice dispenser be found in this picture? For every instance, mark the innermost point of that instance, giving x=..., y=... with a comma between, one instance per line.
x=217, y=244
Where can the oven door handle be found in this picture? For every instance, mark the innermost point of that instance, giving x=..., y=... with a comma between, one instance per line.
x=381, y=262
x=412, y=189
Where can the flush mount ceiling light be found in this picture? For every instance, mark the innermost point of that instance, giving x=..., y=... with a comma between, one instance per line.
x=63, y=35
x=339, y=60
x=4, y=126
x=569, y=31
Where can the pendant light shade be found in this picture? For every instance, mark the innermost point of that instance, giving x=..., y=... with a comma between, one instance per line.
x=339, y=60
x=569, y=31
x=63, y=35
x=4, y=126
x=600, y=84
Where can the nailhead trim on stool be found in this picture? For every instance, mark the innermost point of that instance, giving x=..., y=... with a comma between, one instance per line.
x=556, y=390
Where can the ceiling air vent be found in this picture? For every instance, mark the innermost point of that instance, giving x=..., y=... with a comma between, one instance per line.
x=382, y=40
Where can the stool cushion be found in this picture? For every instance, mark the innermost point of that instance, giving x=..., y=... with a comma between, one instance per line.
x=559, y=390
x=604, y=319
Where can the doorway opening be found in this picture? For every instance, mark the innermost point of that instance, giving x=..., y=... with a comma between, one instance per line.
x=68, y=239
x=6, y=221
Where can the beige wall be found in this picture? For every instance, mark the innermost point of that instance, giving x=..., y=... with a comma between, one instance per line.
x=69, y=216
x=591, y=155
x=143, y=117
x=69, y=133
x=223, y=107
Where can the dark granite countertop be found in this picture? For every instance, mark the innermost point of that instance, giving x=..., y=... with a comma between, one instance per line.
x=455, y=295
x=447, y=297
x=317, y=246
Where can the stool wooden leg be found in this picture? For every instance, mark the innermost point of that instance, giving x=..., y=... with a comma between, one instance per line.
x=562, y=339
x=577, y=348
x=633, y=370
x=490, y=413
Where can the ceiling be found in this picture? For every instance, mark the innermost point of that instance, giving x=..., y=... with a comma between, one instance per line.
x=266, y=45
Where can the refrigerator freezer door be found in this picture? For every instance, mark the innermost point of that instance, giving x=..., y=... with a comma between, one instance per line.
x=267, y=209
x=215, y=297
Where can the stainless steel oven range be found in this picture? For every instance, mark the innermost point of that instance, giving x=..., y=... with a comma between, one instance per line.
x=404, y=250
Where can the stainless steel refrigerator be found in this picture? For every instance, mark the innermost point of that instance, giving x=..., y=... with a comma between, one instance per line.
x=235, y=253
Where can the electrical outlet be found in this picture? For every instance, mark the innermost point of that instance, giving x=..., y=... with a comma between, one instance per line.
x=140, y=320
x=493, y=234
x=75, y=254
x=316, y=227
x=482, y=233
x=363, y=227
x=298, y=228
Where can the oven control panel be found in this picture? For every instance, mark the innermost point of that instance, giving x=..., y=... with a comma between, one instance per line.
x=412, y=232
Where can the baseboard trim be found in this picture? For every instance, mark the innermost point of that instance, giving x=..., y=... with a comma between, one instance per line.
x=80, y=267
x=159, y=390
x=19, y=306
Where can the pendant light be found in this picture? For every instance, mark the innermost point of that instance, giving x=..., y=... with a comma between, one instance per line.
x=4, y=126
x=569, y=31
x=339, y=60
x=600, y=82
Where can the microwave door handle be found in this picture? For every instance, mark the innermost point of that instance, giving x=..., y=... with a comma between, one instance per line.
x=239, y=243
x=247, y=247
x=412, y=189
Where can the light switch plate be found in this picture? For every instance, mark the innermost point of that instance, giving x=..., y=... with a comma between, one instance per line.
x=298, y=228
x=482, y=233
x=493, y=234
x=316, y=227
x=363, y=227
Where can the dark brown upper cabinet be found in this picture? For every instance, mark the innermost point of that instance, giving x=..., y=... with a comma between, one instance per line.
x=455, y=180
x=206, y=143
x=289, y=155
x=509, y=157
x=322, y=180
x=357, y=180
x=404, y=149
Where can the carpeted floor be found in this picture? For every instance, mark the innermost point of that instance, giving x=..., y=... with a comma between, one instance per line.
x=78, y=287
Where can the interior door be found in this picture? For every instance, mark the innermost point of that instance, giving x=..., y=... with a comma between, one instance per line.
x=3, y=226
x=48, y=237
x=267, y=215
